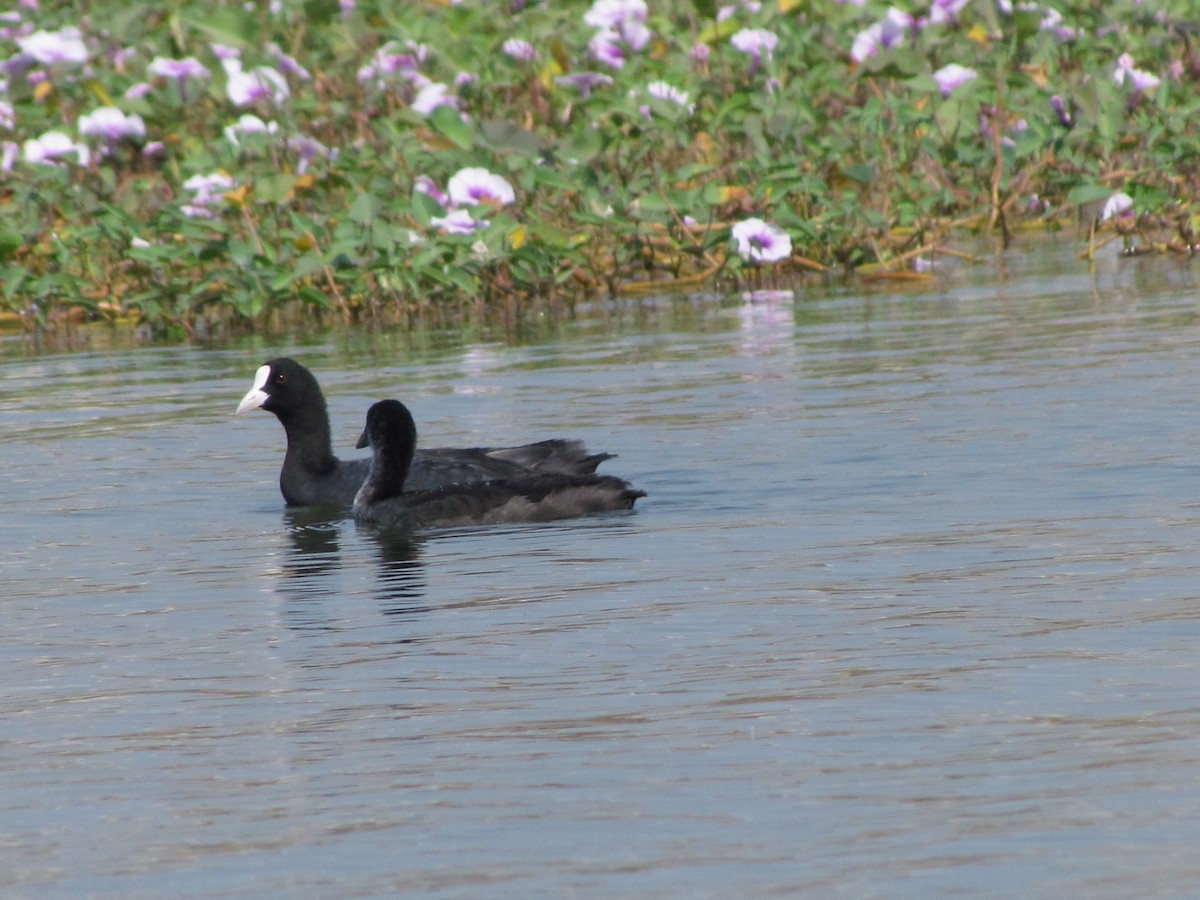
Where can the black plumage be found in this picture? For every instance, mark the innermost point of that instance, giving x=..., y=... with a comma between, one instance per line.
x=313, y=476
x=536, y=497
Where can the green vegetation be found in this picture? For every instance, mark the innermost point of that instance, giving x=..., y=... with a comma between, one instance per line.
x=332, y=199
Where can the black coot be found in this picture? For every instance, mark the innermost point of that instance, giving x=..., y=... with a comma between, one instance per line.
x=533, y=497
x=313, y=476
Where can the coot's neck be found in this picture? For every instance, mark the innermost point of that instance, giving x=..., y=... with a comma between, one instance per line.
x=389, y=470
x=309, y=446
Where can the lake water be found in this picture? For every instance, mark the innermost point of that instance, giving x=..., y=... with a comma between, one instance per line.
x=912, y=608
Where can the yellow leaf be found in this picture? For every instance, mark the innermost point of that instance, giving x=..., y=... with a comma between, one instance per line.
x=549, y=72
x=99, y=92
x=239, y=197
x=43, y=90
x=979, y=34
x=1038, y=74
x=305, y=242
x=717, y=31
x=303, y=182
x=516, y=237
x=707, y=147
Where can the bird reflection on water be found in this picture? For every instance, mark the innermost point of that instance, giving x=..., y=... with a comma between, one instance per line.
x=313, y=572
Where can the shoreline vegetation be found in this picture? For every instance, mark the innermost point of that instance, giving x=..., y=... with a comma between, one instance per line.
x=207, y=169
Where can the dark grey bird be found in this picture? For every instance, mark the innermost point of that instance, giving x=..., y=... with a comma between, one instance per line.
x=534, y=497
x=313, y=476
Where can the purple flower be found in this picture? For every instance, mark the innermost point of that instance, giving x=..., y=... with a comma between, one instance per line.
x=111, y=124
x=605, y=46
x=625, y=17
x=260, y=83
x=660, y=90
x=389, y=62
x=727, y=12
x=8, y=155
x=178, y=69
x=953, y=76
x=888, y=32
x=520, y=50
x=583, y=82
x=475, y=186
x=51, y=147
x=945, y=12
x=52, y=47
x=289, y=66
x=248, y=124
x=432, y=96
x=307, y=149
x=1119, y=205
x=423, y=184
x=621, y=27
x=1060, y=109
x=458, y=221
x=759, y=241
x=208, y=190
x=1141, y=81
x=8, y=115
x=755, y=41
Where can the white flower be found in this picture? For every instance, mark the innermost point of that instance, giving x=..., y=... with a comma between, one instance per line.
x=1116, y=205
x=888, y=32
x=307, y=149
x=51, y=147
x=50, y=47
x=953, y=76
x=760, y=242
x=755, y=41
x=178, y=69
x=208, y=190
x=260, y=83
x=605, y=46
x=431, y=96
x=248, y=124
x=1141, y=80
x=520, y=50
x=664, y=91
x=615, y=13
x=8, y=155
x=110, y=123
x=472, y=187
x=457, y=221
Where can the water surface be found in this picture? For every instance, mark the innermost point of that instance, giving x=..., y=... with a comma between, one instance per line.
x=911, y=608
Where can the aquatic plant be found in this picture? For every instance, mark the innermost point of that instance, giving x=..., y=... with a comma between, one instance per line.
x=218, y=163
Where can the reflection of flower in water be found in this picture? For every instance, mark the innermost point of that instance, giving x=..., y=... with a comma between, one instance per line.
x=478, y=363
x=768, y=321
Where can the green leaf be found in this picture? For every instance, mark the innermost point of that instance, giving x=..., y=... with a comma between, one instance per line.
x=1089, y=193
x=231, y=25
x=365, y=209
x=895, y=62
x=274, y=188
x=447, y=121
x=862, y=173
x=501, y=135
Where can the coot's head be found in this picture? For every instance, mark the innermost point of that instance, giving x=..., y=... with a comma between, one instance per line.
x=390, y=431
x=283, y=387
